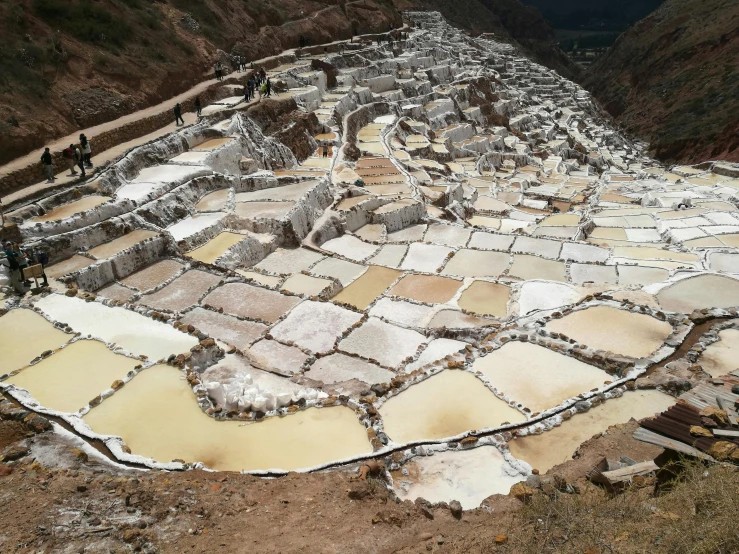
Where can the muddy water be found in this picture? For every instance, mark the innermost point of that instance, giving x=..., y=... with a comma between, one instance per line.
x=721, y=357
x=72, y=376
x=703, y=291
x=532, y=267
x=212, y=144
x=17, y=327
x=444, y=405
x=620, y=331
x=362, y=292
x=121, y=243
x=134, y=332
x=485, y=298
x=214, y=201
x=426, y=288
x=68, y=266
x=68, y=210
x=537, y=377
x=214, y=248
x=554, y=447
x=157, y=416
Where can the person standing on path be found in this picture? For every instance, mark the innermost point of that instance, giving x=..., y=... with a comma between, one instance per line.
x=178, y=114
x=268, y=88
x=78, y=159
x=325, y=149
x=198, y=107
x=48, y=165
x=86, y=151
x=68, y=154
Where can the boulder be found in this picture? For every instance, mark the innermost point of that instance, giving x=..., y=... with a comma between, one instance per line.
x=723, y=450
x=697, y=431
x=521, y=491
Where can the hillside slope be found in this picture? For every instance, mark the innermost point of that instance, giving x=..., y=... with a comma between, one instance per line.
x=67, y=64
x=673, y=80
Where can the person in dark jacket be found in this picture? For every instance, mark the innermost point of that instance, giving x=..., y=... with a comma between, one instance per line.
x=78, y=158
x=48, y=166
x=198, y=107
x=86, y=151
x=268, y=88
x=178, y=114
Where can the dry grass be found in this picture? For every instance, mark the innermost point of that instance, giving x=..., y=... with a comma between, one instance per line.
x=698, y=515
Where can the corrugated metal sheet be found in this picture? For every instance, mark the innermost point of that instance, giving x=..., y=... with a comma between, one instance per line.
x=705, y=395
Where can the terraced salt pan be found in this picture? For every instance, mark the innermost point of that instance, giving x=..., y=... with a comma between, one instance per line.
x=371, y=232
x=545, y=295
x=350, y=247
x=266, y=280
x=484, y=298
x=532, y=267
x=74, y=263
x=211, y=144
x=133, y=332
x=557, y=445
x=728, y=263
x=425, y=257
x=344, y=271
x=537, y=377
x=16, y=327
x=702, y=291
x=74, y=375
x=362, y=292
x=386, y=343
x=237, y=332
x=484, y=221
x=214, y=201
x=73, y=208
x=338, y=368
x=447, y=235
x=194, y=224
x=283, y=359
x=645, y=253
x=157, y=416
x=152, y=178
x=305, y=284
x=287, y=261
x=455, y=319
x=115, y=246
x=252, y=302
x=489, y=241
x=153, y=276
x=216, y=247
x=185, y=291
x=315, y=326
x=619, y=331
x=642, y=276
x=288, y=192
x=117, y=292
x=444, y=405
x=389, y=255
x=469, y=476
x=426, y=288
x=477, y=263
x=263, y=210
x=401, y=313
x=436, y=350
x=721, y=357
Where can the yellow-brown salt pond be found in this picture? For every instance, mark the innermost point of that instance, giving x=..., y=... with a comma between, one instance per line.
x=115, y=246
x=67, y=380
x=68, y=210
x=426, y=288
x=696, y=293
x=213, y=201
x=24, y=334
x=619, y=331
x=485, y=298
x=215, y=247
x=69, y=265
x=157, y=416
x=721, y=357
x=362, y=292
x=556, y=446
x=444, y=405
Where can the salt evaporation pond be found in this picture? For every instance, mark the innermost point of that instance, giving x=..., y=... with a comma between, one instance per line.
x=133, y=332
x=157, y=416
x=721, y=357
x=216, y=247
x=557, y=445
x=362, y=292
x=442, y=406
x=68, y=210
x=15, y=329
x=115, y=246
x=702, y=291
x=74, y=375
x=469, y=476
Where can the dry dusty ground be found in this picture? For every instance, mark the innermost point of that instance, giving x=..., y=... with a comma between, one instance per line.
x=58, y=499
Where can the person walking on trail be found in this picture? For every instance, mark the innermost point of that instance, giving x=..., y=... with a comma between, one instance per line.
x=178, y=114
x=268, y=88
x=198, y=106
x=48, y=164
x=325, y=149
x=78, y=158
x=68, y=154
x=86, y=151
x=217, y=70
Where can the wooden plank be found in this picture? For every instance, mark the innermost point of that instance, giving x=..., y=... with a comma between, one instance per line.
x=626, y=473
x=722, y=433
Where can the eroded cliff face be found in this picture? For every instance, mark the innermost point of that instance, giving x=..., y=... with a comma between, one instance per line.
x=72, y=64
x=673, y=80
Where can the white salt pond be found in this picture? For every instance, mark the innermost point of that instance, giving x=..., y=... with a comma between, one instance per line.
x=557, y=445
x=108, y=249
x=442, y=406
x=702, y=291
x=157, y=416
x=67, y=380
x=469, y=476
x=721, y=357
x=315, y=326
x=388, y=344
x=194, y=224
x=133, y=332
x=216, y=247
x=537, y=377
x=16, y=327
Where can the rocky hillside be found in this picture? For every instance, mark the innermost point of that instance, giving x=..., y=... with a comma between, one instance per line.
x=510, y=20
x=66, y=64
x=673, y=80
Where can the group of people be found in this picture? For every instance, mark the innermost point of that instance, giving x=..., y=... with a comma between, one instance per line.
x=17, y=259
x=218, y=69
x=257, y=81
x=75, y=155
